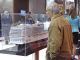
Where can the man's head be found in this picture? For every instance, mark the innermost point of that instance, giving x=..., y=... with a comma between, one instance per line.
x=58, y=8
x=73, y=13
x=6, y=13
x=68, y=11
x=29, y=13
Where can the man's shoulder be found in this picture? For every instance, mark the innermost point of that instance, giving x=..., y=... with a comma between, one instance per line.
x=59, y=21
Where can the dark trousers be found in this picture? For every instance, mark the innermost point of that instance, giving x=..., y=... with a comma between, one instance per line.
x=75, y=38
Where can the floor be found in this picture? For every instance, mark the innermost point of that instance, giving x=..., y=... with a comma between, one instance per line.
x=30, y=57
x=42, y=56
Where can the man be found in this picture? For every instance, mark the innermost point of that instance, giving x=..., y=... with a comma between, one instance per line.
x=60, y=41
x=6, y=22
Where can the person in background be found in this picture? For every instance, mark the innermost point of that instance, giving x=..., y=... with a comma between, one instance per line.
x=6, y=22
x=0, y=26
x=75, y=23
x=67, y=13
x=22, y=17
x=48, y=16
x=29, y=19
x=60, y=41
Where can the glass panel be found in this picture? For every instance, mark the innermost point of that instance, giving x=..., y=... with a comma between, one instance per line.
x=23, y=34
x=13, y=33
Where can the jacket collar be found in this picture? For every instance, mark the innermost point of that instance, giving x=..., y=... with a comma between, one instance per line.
x=56, y=15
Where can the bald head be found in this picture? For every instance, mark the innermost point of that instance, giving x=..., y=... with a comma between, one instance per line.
x=58, y=8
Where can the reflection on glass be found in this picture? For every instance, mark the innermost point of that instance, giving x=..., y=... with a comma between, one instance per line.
x=23, y=13
x=6, y=21
x=70, y=0
x=24, y=34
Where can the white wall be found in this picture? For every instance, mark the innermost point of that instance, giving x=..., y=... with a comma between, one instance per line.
x=6, y=5
x=37, y=6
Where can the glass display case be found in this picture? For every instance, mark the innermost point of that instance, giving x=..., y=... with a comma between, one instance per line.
x=23, y=34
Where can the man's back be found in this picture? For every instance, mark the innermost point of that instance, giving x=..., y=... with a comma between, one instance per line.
x=60, y=39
